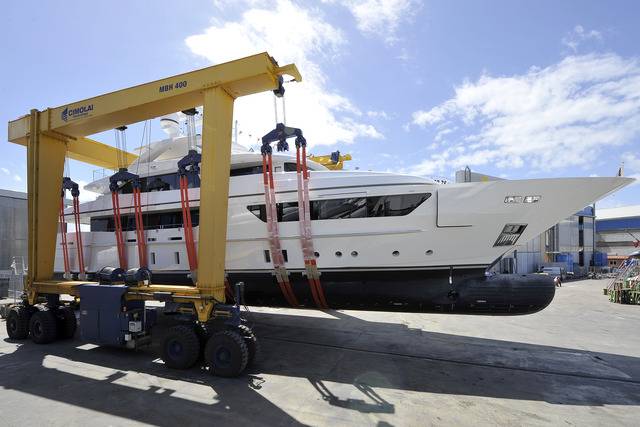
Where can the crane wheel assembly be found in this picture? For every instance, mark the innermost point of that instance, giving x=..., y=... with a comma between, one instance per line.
x=112, y=309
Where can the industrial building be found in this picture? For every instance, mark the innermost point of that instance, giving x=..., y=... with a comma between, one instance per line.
x=13, y=240
x=13, y=227
x=618, y=232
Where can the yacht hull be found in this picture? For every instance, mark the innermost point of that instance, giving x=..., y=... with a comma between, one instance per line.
x=461, y=290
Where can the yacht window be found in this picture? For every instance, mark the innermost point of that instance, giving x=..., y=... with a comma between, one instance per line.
x=171, y=181
x=151, y=221
x=287, y=211
x=166, y=182
x=339, y=208
x=395, y=205
x=358, y=207
x=251, y=170
x=255, y=170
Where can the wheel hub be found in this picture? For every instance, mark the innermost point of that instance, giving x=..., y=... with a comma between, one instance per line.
x=223, y=356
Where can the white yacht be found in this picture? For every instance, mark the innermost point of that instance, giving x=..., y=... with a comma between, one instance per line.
x=382, y=240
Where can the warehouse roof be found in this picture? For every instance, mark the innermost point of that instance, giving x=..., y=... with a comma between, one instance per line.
x=13, y=194
x=622, y=212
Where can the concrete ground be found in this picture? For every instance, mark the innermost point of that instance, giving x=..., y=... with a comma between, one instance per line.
x=575, y=363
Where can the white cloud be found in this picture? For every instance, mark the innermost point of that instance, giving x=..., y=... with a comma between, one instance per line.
x=578, y=36
x=381, y=114
x=290, y=34
x=565, y=115
x=5, y=171
x=17, y=178
x=381, y=18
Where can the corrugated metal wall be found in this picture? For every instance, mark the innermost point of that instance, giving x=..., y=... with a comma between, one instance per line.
x=13, y=227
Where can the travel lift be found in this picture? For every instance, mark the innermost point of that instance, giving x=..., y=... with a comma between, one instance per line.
x=112, y=309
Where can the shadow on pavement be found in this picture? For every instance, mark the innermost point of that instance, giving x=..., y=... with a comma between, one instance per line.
x=347, y=361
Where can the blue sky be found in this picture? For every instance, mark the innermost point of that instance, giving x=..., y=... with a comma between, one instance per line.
x=516, y=89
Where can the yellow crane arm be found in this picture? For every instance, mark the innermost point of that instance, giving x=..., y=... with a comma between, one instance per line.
x=331, y=161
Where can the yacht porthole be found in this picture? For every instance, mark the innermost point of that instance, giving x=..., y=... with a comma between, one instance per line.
x=395, y=253
x=354, y=253
x=338, y=254
x=429, y=252
x=317, y=254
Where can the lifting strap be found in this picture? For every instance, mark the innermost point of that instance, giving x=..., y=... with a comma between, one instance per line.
x=63, y=240
x=68, y=184
x=187, y=223
x=280, y=134
x=189, y=165
x=140, y=237
x=122, y=258
x=277, y=258
x=304, y=219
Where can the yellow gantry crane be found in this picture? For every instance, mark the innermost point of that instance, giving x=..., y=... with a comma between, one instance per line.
x=54, y=133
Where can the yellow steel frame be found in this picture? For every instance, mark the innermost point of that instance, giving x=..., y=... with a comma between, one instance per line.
x=54, y=133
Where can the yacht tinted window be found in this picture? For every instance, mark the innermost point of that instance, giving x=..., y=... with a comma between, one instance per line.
x=395, y=205
x=358, y=207
x=290, y=167
x=287, y=211
x=251, y=170
x=169, y=181
x=339, y=208
x=151, y=221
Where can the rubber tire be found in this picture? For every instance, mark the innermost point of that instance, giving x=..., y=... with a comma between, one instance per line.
x=18, y=322
x=43, y=326
x=253, y=346
x=231, y=346
x=67, y=323
x=181, y=347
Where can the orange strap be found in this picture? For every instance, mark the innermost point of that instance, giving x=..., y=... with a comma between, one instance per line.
x=122, y=256
x=277, y=258
x=187, y=224
x=63, y=241
x=79, y=246
x=304, y=219
x=140, y=237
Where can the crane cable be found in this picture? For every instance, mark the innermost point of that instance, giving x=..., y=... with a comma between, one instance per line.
x=304, y=219
x=277, y=257
x=123, y=175
x=115, y=200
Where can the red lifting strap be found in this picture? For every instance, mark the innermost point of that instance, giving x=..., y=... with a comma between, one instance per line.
x=63, y=241
x=277, y=258
x=304, y=219
x=122, y=256
x=188, y=226
x=140, y=237
x=79, y=246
